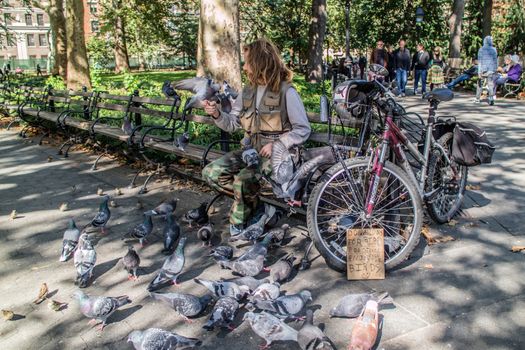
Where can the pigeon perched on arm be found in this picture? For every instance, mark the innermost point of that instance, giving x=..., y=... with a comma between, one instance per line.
x=102, y=217
x=99, y=308
x=310, y=337
x=286, y=305
x=222, y=252
x=142, y=230
x=224, y=288
x=352, y=305
x=186, y=305
x=203, y=89
x=70, y=241
x=159, y=339
x=171, y=234
x=270, y=328
x=131, y=262
x=222, y=314
x=84, y=260
x=281, y=270
x=205, y=233
x=198, y=215
x=163, y=209
x=171, y=268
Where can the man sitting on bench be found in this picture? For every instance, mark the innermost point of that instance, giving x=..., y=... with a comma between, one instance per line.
x=466, y=75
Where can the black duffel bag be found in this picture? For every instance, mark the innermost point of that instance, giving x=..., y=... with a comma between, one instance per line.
x=471, y=146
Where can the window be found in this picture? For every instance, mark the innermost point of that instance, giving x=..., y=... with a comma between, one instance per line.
x=93, y=9
x=42, y=40
x=7, y=18
x=30, y=40
x=29, y=19
x=94, y=26
x=32, y=57
x=40, y=19
x=10, y=40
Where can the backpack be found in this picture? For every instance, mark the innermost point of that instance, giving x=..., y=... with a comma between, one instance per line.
x=470, y=146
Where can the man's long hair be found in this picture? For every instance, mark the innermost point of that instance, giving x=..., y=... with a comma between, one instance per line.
x=266, y=65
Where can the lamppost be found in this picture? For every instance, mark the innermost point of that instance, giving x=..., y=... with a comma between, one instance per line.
x=420, y=15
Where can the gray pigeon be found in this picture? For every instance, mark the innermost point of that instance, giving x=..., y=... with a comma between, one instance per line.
x=171, y=233
x=186, y=305
x=252, y=232
x=270, y=328
x=251, y=267
x=99, y=308
x=352, y=305
x=249, y=281
x=205, y=233
x=299, y=178
x=198, y=215
x=310, y=337
x=222, y=314
x=282, y=163
x=171, y=268
x=281, y=270
x=259, y=248
x=164, y=208
x=224, y=288
x=279, y=233
x=159, y=339
x=131, y=262
x=222, y=252
x=84, y=260
x=285, y=306
x=127, y=126
x=203, y=89
x=142, y=230
x=266, y=291
x=102, y=217
x=70, y=241
x=182, y=141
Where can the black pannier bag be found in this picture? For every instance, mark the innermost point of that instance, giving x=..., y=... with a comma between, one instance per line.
x=471, y=146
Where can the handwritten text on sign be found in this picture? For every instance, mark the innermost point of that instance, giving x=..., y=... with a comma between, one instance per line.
x=365, y=254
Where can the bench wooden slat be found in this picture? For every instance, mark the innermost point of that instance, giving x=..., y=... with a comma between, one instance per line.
x=147, y=111
x=200, y=119
x=58, y=99
x=193, y=152
x=112, y=106
x=80, y=93
x=153, y=100
x=80, y=102
x=113, y=97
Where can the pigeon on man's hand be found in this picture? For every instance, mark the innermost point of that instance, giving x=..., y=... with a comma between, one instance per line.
x=70, y=241
x=281, y=270
x=159, y=339
x=270, y=328
x=351, y=305
x=310, y=337
x=198, y=215
x=163, y=209
x=102, y=217
x=84, y=260
x=286, y=305
x=141, y=231
x=171, y=268
x=222, y=314
x=203, y=89
x=131, y=262
x=186, y=305
x=99, y=308
x=224, y=288
x=171, y=233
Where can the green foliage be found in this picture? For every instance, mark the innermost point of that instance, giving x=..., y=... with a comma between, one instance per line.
x=185, y=25
x=56, y=82
x=96, y=79
x=513, y=37
x=100, y=51
x=131, y=82
x=472, y=28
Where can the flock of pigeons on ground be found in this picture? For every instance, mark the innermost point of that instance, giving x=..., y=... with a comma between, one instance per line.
x=267, y=308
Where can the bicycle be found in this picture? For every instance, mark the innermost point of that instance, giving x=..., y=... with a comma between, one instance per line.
x=384, y=190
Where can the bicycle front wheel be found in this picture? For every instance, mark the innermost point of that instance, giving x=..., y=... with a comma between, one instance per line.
x=338, y=202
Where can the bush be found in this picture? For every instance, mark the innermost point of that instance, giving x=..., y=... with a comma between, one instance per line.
x=56, y=82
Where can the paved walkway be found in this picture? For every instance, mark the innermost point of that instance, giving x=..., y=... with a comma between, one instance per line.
x=472, y=298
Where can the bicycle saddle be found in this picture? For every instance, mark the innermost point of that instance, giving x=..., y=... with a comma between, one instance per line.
x=441, y=95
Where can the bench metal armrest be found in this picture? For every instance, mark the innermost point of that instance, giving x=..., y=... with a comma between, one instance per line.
x=216, y=142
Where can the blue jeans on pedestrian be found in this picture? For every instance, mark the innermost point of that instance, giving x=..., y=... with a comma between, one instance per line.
x=401, y=79
x=463, y=77
x=420, y=74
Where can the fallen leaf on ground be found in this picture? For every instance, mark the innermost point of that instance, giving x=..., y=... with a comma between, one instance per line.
x=444, y=239
x=42, y=294
x=428, y=236
x=452, y=223
x=63, y=207
x=13, y=214
x=428, y=266
x=473, y=187
x=517, y=248
x=8, y=314
x=471, y=224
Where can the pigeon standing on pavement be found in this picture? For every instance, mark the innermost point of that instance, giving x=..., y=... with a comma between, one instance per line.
x=351, y=305
x=248, y=267
x=141, y=231
x=131, y=262
x=198, y=215
x=266, y=291
x=171, y=233
x=84, y=260
x=279, y=233
x=222, y=252
x=222, y=314
x=164, y=208
x=255, y=231
x=70, y=241
x=171, y=268
x=310, y=337
x=224, y=288
x=99, y=308
x=159, y=339
x=186, y=305
x=270, y=328
x=281, y=270
x=285, y=306
x=205, y=233
x=102, y=217
x=259, y=248
x=203, y=89
x=249, y=282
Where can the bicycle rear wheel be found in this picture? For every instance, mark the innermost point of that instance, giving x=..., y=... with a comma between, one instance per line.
x=337, y=203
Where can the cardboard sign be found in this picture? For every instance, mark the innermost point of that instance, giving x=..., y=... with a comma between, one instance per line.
x=365, y=254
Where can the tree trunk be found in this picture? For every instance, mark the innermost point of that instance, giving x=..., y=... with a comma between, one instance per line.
x=218, y=51
x=77, y=62
x=58, y=27
x=347, y=29
x=314, y=71
x=121, y=49
x=487, y=17
x=455, y=24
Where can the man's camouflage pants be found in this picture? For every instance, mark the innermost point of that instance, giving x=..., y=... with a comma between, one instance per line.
x=230, y=175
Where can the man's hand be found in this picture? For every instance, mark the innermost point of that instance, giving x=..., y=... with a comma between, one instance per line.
x=266, y=151
x=210, y=107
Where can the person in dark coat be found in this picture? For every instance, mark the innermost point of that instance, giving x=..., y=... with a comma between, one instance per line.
x=380, y=55
x=420, y=62
x=402, y=66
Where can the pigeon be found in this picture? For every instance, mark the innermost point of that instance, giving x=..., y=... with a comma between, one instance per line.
x=171, y=268
x=164, y=208
x=205, y=233
x=226, y=97
x=246, y=267
x=101, y=219
x=281, y=270
x=198, y=215
x=168, y=90
x=141, y=231
x=182, y=141
x=70, y=241
x=222, y=314
x=249, y=282
x=99, y=308
x=310, y=337
x=266, y=291
x=278, y=234
x=222, y=252
x=203, y=89
x=131, y=262
x=224, y=288
x=171, y=234
x=84, y=260
x=286, y=305
x=299, y=178
x=186, y=305
x=270, y=328
x=159, y=339
x=282, y=163
x=127, y=126
x=259, y=248
x=351, y=305
x=252, y=232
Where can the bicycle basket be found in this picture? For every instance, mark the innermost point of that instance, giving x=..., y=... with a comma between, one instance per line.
x=470, y=146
